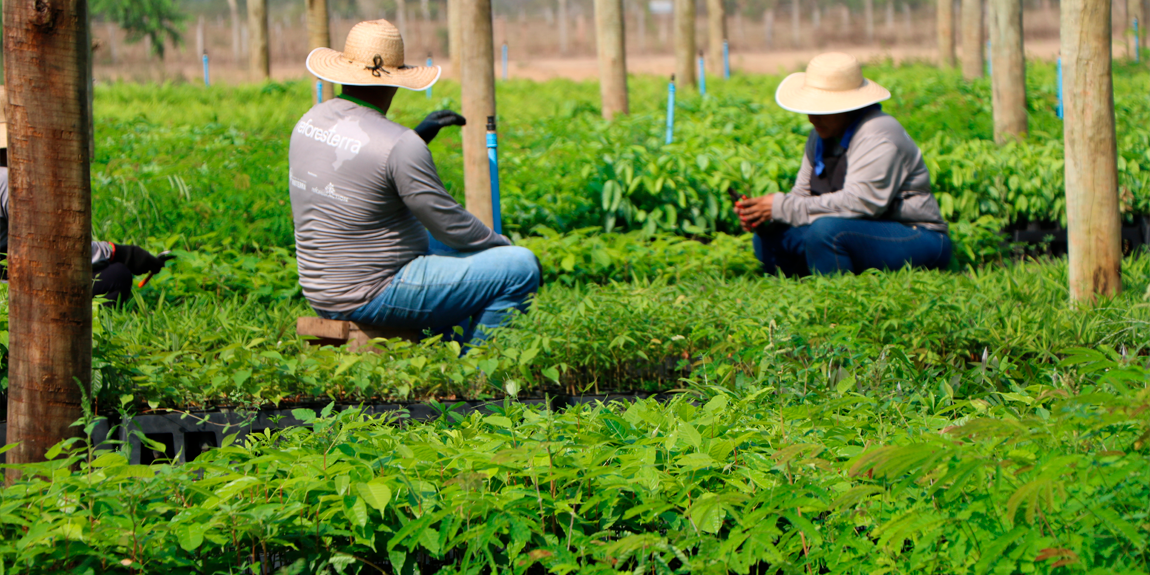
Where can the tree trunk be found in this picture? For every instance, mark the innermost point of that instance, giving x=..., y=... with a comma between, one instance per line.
x=260, y=56
x=201, y=48
x=769, y=26
x=796, y=32
x=716, y=35
x=890, y=18
x=1008, y=70
x=1094, y=227
x=114, y=49
x=234, y=11
x=972, y=56
x=50, y=225
x=612, y=57
x=1137, y=14
x=478, y=78
x=401, y=17
x=868, y=16
x=455, y=35
x=685, y=46
x=945, y=18
x=318, y=35
x=425, y=10
x=845, y=12
x=641, y=25
x=562, y=20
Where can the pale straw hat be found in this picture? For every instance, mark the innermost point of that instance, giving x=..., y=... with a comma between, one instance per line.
x=3, y=117
x=372, y=56
x=832, y=84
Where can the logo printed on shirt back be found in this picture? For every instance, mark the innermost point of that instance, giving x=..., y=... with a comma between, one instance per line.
x=346, y=137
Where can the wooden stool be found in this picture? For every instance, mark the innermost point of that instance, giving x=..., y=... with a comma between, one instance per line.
x=356, y=335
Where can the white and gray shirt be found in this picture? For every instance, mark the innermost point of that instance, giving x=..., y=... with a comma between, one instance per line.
x=364, y=195
x=886, y=179
x=101, y=251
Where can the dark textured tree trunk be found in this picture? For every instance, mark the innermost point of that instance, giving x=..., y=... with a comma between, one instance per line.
x=47, y=48
x=1093, y=224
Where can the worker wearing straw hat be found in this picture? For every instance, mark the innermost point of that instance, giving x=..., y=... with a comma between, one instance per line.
x=113, y=265
x=366, y=195
x=862, y=197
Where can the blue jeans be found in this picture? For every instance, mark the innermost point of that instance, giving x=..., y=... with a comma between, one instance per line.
x=446, y=288
x=835, y=245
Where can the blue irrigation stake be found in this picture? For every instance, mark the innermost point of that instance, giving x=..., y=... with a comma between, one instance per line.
x=429, y=64
x=493, y=163
x=1059, y=89
x=505, y=60
x=1137, y=47
x=726, y=61
x=207, y=78
x=671, y=109
x=702, y=75
x=319, y=91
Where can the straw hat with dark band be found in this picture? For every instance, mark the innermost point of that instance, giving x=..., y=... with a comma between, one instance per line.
x=372, y=56
x=832, y=84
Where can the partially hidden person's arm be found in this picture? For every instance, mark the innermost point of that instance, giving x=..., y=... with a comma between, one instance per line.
x=102, y=254
x=876, y=170
x=417, y=182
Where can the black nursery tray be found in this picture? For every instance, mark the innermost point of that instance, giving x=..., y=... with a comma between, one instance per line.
x=185, y=435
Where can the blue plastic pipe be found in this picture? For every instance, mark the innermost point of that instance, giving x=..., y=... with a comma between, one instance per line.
x=1059, y=111
x=207, y=78
x=702, y=74
x=726, y=61
x=319, y=91
x=671, y=110
x=505, y=60
x=493, y=164
x=429, y=64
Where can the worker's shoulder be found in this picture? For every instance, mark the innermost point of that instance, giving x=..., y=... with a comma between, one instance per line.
x=881, y=126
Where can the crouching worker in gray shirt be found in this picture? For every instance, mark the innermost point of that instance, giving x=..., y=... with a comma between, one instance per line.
x=113, y=265
x=366, y=195
x=862, y=198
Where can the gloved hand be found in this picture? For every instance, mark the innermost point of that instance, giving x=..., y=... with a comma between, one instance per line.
x=429, y=127
x=138, y=260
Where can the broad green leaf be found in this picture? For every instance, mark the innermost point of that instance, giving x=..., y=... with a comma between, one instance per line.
x=376, y=493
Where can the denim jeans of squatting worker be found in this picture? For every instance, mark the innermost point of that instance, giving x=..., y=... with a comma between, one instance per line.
x=837, y=245
x=445, y=288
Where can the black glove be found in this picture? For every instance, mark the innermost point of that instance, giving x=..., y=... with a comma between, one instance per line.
x=429, y=127
x=138, y=260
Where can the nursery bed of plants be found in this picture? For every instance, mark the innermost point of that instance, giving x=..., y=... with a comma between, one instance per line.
x=963, y=421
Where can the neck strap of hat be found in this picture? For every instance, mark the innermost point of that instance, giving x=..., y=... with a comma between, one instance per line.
x=355, y=100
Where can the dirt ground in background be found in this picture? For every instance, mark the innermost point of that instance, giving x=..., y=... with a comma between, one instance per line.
x=587, y=68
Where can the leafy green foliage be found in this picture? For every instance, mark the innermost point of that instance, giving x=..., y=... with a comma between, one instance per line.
x=840, y=476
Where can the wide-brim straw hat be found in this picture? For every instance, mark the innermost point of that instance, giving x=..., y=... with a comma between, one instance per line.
x=372, y=56
x=832, y=84
x=3, y=118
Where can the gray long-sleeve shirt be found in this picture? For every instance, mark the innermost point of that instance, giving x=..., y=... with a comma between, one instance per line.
x=886, y=179
x=101, y=251
x=364, y=194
